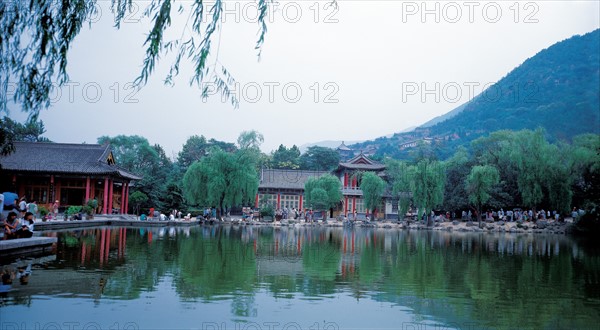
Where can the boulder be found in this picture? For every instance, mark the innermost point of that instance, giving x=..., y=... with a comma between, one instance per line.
x=471, y=224
x=500, y=223
x=455, y=222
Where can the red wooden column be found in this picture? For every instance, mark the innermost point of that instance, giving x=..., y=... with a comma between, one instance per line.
x=87, y=189
x=105, y=196
x=123, y=198
x=300, y=207
x=353, y=204
x=110, y=195
x=126, y=198
x=52, y=190
x=256, y=201
x=345, y=180
x=278, y=200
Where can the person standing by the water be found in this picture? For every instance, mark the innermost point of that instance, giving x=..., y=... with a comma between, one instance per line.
x=23, y=206
x=55, y=209
x=33, y=209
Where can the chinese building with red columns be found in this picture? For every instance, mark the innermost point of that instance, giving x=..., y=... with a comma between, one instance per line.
x=69, y=173
x=352, y=195
x=285, y=188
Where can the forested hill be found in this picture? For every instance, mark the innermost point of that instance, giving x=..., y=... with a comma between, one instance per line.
x=557, y=89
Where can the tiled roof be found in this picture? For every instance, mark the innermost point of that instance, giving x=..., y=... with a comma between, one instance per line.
x=287, y=179
x=343, y=147
x=63, y=158
x=362, y=162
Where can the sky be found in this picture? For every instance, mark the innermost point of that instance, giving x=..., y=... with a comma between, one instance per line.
x=363, y=70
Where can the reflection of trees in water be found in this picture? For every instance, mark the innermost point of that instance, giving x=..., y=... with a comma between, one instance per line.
x=495, y=280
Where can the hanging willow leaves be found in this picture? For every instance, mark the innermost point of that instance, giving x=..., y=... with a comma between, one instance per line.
x=35, y=37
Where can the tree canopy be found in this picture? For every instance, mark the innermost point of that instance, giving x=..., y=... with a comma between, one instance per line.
x=427, y=185
x=135, y=154
x=323, y=192
x=286, y=158
x=373, y=188
x=221, y=179
x=318, y=158
x=479, y=183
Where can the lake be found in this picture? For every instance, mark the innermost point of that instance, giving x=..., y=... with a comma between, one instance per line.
x=318, y=278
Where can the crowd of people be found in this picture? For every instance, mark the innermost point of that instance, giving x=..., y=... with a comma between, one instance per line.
x=15, y=227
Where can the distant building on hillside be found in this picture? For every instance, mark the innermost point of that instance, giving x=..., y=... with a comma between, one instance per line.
x=344, y=151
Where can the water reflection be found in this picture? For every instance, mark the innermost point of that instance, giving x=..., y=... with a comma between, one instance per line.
x=496, y=281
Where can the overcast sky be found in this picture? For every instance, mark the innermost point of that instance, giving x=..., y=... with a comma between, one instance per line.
x=361, y=69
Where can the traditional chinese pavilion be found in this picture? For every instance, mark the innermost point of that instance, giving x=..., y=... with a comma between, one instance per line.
x=347, y=172
x=69, y=173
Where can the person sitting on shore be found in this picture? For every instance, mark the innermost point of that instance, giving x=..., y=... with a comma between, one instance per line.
x=24, y=232
x=28, y=220
x=11, y=225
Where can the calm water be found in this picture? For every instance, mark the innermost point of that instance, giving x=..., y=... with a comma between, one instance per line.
x=305, y=278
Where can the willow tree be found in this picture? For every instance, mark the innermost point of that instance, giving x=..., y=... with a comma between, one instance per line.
x=323, y=193
x=531, y=154
x=373, y=188
x=221, y=180
x=400, y=174
x=427, y=186
x=37, y=37
x=479, y=184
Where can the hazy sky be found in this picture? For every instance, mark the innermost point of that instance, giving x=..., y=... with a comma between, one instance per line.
x=352, y=74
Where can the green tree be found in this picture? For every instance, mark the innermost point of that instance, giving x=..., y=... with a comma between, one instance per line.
x=137, y=198
x=250, y=140
x=427, y=186
x=457, y=170
x=194, y=148
x=221, y=179
x=11, y=131
x=317, y=158
x=135, y=154
x=323, y=193
x=285, y=158
x=373, y=188
x=479, y=183
x=531, y=154
x=400, y=176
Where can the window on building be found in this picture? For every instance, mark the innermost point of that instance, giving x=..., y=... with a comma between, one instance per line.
x=37, y=190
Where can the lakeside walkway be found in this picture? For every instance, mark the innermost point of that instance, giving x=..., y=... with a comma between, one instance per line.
x=32, y=245
x=541, y=226
x=111, y=220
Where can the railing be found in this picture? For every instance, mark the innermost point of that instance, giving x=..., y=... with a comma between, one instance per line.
x=351, y=191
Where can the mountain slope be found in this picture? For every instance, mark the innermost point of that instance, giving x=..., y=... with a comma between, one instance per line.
x=557, y=89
